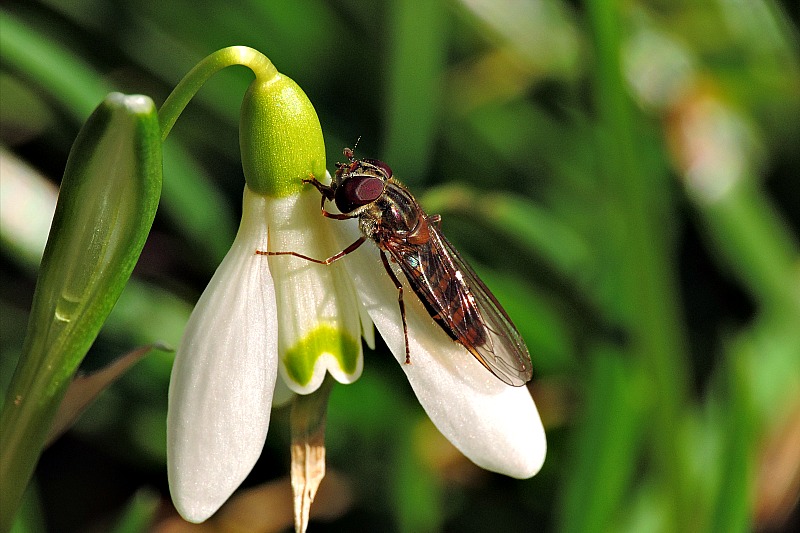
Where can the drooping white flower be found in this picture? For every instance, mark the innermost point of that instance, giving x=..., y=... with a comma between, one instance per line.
x=265, y=316
x=258, y=314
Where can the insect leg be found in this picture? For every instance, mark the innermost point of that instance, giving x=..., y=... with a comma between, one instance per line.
x=327, y=261
x=327, y=194
x=335, y=216
x=325, y=190
x=399, y=301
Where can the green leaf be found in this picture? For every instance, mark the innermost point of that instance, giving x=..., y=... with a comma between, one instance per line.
x=84, y=389
x=106, y=206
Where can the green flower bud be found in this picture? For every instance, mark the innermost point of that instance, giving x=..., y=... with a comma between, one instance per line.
x=105, y=209
x=280, y=137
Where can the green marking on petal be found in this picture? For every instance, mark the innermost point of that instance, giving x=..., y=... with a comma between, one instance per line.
x=301, y=358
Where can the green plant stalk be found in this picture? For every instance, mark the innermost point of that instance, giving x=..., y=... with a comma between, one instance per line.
x=417, y=41
x=757, y=245
x=417, y=492
x=732, y=507
x=140, y=513
x=105, y=209
x=657, y=339
x=605, y=445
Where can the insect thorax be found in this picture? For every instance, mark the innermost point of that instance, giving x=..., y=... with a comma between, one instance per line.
x=395, y=213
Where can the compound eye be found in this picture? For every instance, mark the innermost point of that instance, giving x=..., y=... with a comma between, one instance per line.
x=381, y=165
x=358, y=191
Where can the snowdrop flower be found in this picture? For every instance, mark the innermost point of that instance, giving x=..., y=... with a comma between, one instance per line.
x=266, y=320
x=260, y=316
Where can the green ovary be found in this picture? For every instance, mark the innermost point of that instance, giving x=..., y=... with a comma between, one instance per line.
x=301, y=358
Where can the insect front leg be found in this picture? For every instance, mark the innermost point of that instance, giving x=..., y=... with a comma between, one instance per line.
x=327, y=193
x=327, y=261
x=400, y=302
x=325, y=190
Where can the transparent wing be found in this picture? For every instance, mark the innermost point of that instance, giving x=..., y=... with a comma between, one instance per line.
x=465, y=308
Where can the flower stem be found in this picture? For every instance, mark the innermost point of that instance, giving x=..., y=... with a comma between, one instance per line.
x=191, y=83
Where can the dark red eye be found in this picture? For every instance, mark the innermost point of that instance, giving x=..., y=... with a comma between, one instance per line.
x=381, y=165
x=358, y=191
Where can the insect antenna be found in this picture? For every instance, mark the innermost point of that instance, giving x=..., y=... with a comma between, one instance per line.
x=349, y=153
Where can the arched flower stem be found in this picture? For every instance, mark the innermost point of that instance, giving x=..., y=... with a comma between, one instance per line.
x=191, y=83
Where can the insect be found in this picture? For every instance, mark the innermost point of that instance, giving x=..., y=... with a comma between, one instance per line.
x=449, y=289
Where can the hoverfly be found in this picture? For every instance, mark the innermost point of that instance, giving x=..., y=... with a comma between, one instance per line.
x=449, y=289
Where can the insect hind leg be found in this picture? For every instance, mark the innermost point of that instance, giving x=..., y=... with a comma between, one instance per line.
x=400, y=302
x=327, y=261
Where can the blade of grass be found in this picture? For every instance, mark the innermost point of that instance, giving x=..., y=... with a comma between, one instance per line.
x=607, y=443
x=737, y=456
x=414, y=89
x=643, y=256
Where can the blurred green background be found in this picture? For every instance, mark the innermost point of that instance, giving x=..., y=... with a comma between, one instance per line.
x=624, y=175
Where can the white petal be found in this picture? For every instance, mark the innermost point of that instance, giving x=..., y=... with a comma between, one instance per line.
x=283, y=394
x=495, y=425
x=367, y=327
x=319, y=321
x=224, y=376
